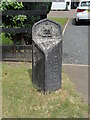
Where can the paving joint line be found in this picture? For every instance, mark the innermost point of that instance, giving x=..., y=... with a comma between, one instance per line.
x=76, y=65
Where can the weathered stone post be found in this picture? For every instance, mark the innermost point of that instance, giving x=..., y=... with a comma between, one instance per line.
x=47, y=55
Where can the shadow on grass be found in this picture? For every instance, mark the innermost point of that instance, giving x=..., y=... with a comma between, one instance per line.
x=38, y=88
x=30, y=73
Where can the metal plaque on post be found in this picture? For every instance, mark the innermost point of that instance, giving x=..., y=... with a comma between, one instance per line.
x=47, y=55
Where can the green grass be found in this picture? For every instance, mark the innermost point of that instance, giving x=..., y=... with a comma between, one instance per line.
x=21, y=98
x=61, y=21
x=5, y=40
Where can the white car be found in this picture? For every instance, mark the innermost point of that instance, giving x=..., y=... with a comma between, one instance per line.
x=83, y=11
x=58, y=6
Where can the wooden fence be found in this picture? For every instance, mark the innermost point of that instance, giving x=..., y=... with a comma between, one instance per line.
x=17, y=53
x=20, y=52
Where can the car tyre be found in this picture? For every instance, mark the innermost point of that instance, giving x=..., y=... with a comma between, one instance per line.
x=76, y=22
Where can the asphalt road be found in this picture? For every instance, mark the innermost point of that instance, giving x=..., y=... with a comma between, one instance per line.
x=75, y=43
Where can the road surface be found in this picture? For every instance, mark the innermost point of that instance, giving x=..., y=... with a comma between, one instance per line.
x=75, y=44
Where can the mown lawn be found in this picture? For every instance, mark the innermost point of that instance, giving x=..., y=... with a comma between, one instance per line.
x=21, y=99
x=61, y=21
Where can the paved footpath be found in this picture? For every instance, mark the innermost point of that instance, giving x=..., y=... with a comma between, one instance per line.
x=79, y=76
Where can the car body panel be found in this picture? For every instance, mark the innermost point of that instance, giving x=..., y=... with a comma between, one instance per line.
x=85, y=15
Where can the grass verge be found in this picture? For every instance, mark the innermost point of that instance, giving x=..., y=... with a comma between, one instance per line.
x=21, y=99
x=61, y=21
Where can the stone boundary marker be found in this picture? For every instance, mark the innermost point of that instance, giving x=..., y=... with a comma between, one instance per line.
x=47, y=55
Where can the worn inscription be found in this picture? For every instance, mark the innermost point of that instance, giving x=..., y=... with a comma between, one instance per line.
x=55, y=67
x=47, y=29
x=53, y=71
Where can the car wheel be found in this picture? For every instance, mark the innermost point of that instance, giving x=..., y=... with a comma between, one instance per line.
x=76, y=22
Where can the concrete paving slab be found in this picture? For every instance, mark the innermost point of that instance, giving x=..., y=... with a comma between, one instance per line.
x=79, y=76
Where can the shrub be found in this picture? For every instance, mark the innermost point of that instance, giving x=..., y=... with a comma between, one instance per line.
x=20, y=20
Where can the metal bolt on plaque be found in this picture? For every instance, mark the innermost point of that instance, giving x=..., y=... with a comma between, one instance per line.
x=47, y=55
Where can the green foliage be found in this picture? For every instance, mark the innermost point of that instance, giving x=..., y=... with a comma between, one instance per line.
x=10, y=4
x=21, y=20
x=37, y=5
x=12, y=21
x=5, y=40
x=61, y=21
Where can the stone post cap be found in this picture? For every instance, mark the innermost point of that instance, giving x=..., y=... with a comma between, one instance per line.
x=46, y=33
